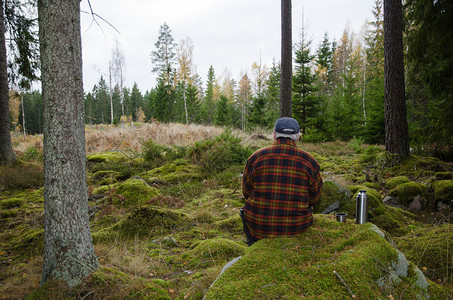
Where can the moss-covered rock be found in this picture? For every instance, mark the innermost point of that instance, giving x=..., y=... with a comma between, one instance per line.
x=110, y=156
x=215, y=250
x=443, y=175
x=393, y=220
x=430, y=248
x=393, y=182
x=143, y=222
x=411, y=195
x=232, y=224
x=172, y=173
x=135, y=191
x=333, y=196
x=104, y=177
x=319, y=264
x=443, y=191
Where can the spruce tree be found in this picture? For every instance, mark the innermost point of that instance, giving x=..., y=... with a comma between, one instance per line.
x=305, y=101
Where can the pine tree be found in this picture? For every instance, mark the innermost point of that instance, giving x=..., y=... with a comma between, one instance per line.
x=396, y=128
x=286, y=60
x=164, y=57
x=68, y=249
x=222, y=116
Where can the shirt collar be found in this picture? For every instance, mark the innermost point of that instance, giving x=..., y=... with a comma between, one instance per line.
x=285, y=141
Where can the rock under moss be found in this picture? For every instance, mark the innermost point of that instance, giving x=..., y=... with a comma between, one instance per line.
x=393, y=182
x=307, y=266
x=333, y=196
x=143, y=222
x=215, y=250
x=171, y=173
x=135, y=192
x=410, y=195
x=443, y=191
x=110, y=156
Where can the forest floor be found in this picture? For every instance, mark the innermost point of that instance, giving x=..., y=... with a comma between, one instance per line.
x=164, y=202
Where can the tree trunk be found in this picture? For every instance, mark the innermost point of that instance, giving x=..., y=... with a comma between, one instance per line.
x=6, y=149
x=396, y=128
x=68, y=249
x=286, y=70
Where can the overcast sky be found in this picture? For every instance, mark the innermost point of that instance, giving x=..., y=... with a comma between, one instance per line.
x=229, y=34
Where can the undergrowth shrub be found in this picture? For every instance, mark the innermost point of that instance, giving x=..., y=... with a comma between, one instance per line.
x=215, y=155
x=152, y=152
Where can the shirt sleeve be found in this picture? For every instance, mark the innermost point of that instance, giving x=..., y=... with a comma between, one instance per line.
x=315, y=185
x=247, y=182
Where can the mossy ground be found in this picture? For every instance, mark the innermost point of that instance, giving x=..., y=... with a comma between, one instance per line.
x=165, y=230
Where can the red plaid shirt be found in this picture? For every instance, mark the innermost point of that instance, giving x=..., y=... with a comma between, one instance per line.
x=280, y=183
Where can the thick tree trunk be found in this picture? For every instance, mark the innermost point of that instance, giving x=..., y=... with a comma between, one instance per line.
x=6, y=149
x=68, y=249
x=287, y=59
x=396, y=129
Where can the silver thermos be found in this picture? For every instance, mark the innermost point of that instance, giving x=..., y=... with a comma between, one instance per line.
x=361, y=211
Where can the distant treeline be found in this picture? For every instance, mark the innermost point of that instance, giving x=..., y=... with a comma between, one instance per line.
x=338, y=88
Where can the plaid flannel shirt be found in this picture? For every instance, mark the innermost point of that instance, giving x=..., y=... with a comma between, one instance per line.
x=280, y=183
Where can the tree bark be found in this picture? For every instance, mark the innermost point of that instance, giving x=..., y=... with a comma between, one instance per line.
x=68, y=249
x=286, y=57
x=6, y=149
x=396, y=128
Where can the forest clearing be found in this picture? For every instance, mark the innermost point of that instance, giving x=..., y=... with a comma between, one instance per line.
x=164, y=202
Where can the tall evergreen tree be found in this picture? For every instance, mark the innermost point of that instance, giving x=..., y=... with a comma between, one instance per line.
x=68, y=249
x=19, y=37
x=374, y=85
x=272, y=112
x=164, y=56
x=208, y=107
x=305, y=101
x=222, y=116
x=136, y=101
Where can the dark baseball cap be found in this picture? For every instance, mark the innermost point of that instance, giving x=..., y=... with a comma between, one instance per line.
x=287, y=126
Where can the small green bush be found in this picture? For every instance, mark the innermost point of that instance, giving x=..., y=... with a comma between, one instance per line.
x=218, y=154
x=152, y=152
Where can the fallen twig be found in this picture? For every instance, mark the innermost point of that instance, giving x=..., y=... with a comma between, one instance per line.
x=344, y=283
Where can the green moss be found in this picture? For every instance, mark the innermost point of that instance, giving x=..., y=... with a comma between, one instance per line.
x=101, y=190
x=304, y=265
x=9, y=213
x=110, y=281
x=172, y=173
x=332, y=192
x=430, y=248
x=232, y=224
x=109, y=156
x=135, y=192
x=443, y=191
x=105, y=177
x=143, y=222
x=11, y=203
x=407, y=191
x=443, y=175
x=215, y=250
x=372, y=185
x=395, y=181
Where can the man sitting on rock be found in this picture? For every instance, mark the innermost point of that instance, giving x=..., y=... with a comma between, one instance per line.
x=281, y=184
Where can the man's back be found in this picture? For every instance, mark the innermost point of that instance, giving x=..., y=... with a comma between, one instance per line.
x=280, y=183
